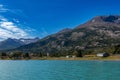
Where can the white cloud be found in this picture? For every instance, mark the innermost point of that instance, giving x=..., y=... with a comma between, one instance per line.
x=16, y=20
x=44, y=32
x=3, y=9
x=9, y=30
x=11, y=27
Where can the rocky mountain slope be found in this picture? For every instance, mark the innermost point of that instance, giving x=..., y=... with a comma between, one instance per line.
x=99, y=32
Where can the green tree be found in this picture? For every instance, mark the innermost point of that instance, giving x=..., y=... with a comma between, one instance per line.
x=79, y=53
x=26, y=55
x=17, y=55
x=3, y=55
x=117, y=50
x=75, y=53
x=40, y=54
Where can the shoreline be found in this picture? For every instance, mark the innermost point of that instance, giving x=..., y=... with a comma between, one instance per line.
x=110, y=58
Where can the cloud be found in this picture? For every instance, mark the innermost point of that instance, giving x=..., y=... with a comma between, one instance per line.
x=10, y=26
x=18, y=12
x=3, y=9
x=10, y=30
x=43, y=32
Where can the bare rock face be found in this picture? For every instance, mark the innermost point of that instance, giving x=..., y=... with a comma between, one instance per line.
x=109, y=19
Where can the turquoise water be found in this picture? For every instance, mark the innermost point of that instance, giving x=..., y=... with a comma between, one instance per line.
x=59, y=70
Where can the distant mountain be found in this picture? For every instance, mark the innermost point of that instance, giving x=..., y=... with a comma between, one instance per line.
x=14, y=43
x=29, y=40
x=99, y=32
x=10, y=44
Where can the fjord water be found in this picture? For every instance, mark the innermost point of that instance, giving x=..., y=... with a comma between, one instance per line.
x=59, y=70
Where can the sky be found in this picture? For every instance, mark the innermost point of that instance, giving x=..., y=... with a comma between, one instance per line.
x=40, y=18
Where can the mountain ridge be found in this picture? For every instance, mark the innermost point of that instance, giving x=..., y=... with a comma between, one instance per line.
x=11, y=43
x=99, y=32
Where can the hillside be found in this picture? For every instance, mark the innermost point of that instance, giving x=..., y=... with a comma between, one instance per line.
x=10, y=44
x=96, y=34
x=14, y=43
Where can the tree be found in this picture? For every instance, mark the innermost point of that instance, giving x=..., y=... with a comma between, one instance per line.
x=40, y=54
x=75, y=53
x=117, y=50
x=3, y=55
x=26, y=55
x=79, y=53
x=17, y=55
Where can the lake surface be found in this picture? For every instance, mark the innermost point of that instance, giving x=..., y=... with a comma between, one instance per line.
x=59, y=70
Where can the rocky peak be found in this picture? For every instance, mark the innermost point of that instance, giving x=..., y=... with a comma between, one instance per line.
x=109, y=19
x=65, y=30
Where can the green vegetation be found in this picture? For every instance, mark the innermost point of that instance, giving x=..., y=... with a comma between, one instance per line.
x=77, y=53
x=117, y=49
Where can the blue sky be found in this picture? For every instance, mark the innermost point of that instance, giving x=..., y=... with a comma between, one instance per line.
x=39, y=18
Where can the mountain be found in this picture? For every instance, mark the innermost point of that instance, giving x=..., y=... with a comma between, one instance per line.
x=14, y=43
x=98, y=33
x=10, y=44
x=29, y=40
